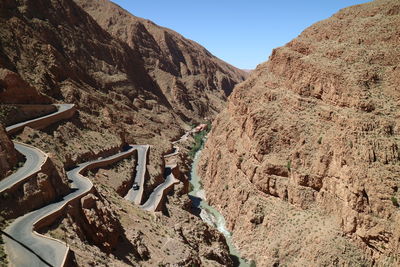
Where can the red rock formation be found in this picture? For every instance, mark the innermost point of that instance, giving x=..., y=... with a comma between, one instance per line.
x=39, y=190
x=308, y=147
x=64, y=54
x=8, y=155
x=101, y=225
x=193, y=80
x=14, y=90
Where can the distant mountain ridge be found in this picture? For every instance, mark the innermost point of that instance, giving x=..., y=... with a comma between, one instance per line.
x=193, y=80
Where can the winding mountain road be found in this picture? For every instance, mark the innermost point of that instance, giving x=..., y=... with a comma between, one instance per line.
x=157, y=195
x=35, y=158
x=64, y=111
x=53, y=251
x=135, y=196
x=176, y=152
x=26, y=247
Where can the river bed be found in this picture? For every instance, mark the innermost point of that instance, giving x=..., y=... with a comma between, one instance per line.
x=209, y=214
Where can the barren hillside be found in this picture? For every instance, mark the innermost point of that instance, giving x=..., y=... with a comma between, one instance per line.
x=55, y=52
x=304, y=162
x=193, y=80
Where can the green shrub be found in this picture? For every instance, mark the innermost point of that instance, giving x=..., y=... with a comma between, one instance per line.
x=199, y=140
x=198, y=143
x=289, y=165
x=208, y=126
x=320, y=140
x=395, y=201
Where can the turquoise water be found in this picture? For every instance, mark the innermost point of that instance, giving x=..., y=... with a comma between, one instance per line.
x=209, y=214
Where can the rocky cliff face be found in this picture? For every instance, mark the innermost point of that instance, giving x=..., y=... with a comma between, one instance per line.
x=193, y=80
x=15, y=90
x=8, y=155
x=304, y=162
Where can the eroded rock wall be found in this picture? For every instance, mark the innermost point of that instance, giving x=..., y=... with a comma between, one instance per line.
x=195, y=82
x=308, y=147
x=39, y=190
x=8, y=155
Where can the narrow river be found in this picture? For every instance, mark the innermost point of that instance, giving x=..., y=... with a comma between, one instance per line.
x=210, y=215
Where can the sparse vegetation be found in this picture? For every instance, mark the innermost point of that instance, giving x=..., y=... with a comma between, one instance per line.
x=5, y=111
x=395, y=201
x=208, y=126
x=320, y=140
x=198, y=143
x=289, y=165
x=199, y=140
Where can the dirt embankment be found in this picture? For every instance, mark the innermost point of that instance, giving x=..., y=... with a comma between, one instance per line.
x=304, y=161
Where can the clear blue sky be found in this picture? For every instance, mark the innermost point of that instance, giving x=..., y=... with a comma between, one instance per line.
x=243, y=33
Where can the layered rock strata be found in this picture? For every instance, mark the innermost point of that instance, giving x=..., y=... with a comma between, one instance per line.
x=195, y=82
x=304, y=162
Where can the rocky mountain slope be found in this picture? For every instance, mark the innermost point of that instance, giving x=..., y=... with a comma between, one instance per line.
x=8, y=155
x=55, y=52
x=193, y=80
x=304, y=162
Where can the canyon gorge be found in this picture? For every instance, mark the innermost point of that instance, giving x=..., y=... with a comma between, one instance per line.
x=301, y=155
x=304, y=162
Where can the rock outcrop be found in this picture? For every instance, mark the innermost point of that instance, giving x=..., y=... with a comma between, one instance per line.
x=100, y=224
x=8, y=155
x=195, y=82
x=40, y=190
x=14, y=90
x=307, y=150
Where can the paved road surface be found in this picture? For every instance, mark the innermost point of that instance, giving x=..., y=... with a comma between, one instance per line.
x=183, y=137
x=38, y=250
x=62, y=109
x=157, y=195
x=176, y=152
x=135, y=196
x=24, y=246
x=35, y=158
x=51, y=250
